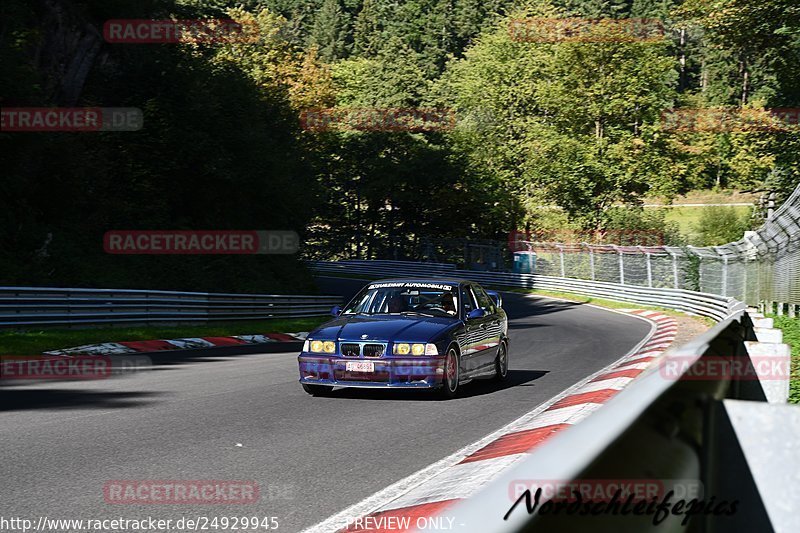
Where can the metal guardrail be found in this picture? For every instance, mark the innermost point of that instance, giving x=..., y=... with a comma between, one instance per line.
x=759, y=269
x=44, y=306
x=662, y=429
x=708, y=305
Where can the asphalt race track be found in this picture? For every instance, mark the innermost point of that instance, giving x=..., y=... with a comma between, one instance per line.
x=223, y=416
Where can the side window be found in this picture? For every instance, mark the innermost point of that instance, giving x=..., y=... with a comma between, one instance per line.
x=484, y=301
x=467, y=298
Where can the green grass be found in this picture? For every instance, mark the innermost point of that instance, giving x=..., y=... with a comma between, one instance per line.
x=791, y=336
x=34, y=342
x=687, y=218
x=708, y=196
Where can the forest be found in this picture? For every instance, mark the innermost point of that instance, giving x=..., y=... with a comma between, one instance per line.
x=575, y=130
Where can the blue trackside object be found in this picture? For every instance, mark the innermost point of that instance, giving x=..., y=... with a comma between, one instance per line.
x=409, y=333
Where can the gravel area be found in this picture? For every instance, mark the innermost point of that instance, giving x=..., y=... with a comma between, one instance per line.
x=688, y=328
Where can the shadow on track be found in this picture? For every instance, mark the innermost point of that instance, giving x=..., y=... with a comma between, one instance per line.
x=26, y=394
x=520, y=306
x=221, y=353
x=479, y=387
x=522, y=311
x=28, y=399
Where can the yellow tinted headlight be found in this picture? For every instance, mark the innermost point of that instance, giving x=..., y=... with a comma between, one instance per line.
x=402, y=349
x=316, y=346
x=418, y=349
x=329, y=346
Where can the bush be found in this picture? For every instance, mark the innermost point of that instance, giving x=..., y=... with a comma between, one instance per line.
x=720, y=225
x=791, y=336
x=640, y=227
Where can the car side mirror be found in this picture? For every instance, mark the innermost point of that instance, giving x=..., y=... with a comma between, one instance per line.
x=476, y=313
x=336, y=310
x=498, y=300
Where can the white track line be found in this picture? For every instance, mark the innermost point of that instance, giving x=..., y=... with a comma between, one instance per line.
x=382, y=498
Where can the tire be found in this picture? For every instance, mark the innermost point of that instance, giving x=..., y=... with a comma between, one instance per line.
x=449, y=388
x=317, y=390
x=501, y=363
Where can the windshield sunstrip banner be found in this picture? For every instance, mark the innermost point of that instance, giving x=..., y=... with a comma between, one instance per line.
x=412, y=285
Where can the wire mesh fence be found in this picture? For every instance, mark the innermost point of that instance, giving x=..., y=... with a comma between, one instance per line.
x=762, y=269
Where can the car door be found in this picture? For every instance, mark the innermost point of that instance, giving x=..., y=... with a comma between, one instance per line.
x=490, y=325
x=474, y=351
x=470, y=340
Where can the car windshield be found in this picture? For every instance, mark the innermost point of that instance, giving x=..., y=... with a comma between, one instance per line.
x=429, y=299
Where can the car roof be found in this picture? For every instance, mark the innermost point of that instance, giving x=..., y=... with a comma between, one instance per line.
x=450, y=281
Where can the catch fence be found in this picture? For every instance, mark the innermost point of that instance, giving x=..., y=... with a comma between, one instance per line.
x=761, y=269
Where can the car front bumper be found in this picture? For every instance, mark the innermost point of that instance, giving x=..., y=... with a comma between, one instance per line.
x=390, y=372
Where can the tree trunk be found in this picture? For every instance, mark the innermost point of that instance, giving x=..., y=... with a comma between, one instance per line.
x=682, y=81
x=745, y=83
x=703, y=77
x=70, y=48
x=371, y=239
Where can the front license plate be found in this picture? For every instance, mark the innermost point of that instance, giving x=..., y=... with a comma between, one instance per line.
x=360, y=366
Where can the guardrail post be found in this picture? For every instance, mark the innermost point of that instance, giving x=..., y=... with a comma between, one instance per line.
x=744, y=283
x=758, y=282
x=724, y=275
x=649, y=270
x=591, y=260
x=621, y=268
x=561, y=256
x=699, y=270
x=676, y=283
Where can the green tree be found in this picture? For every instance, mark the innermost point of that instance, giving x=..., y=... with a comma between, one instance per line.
x=276, y=64
x=330, y=32
x=215, y=148
x=720, y=225
x=652, y=9
x=394, y=78
x=573, y=123
x=637, y=226
x=598, y=8
x=761, y=38
x=368, y=29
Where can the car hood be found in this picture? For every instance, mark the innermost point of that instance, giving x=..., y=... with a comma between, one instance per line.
x=383, y=328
